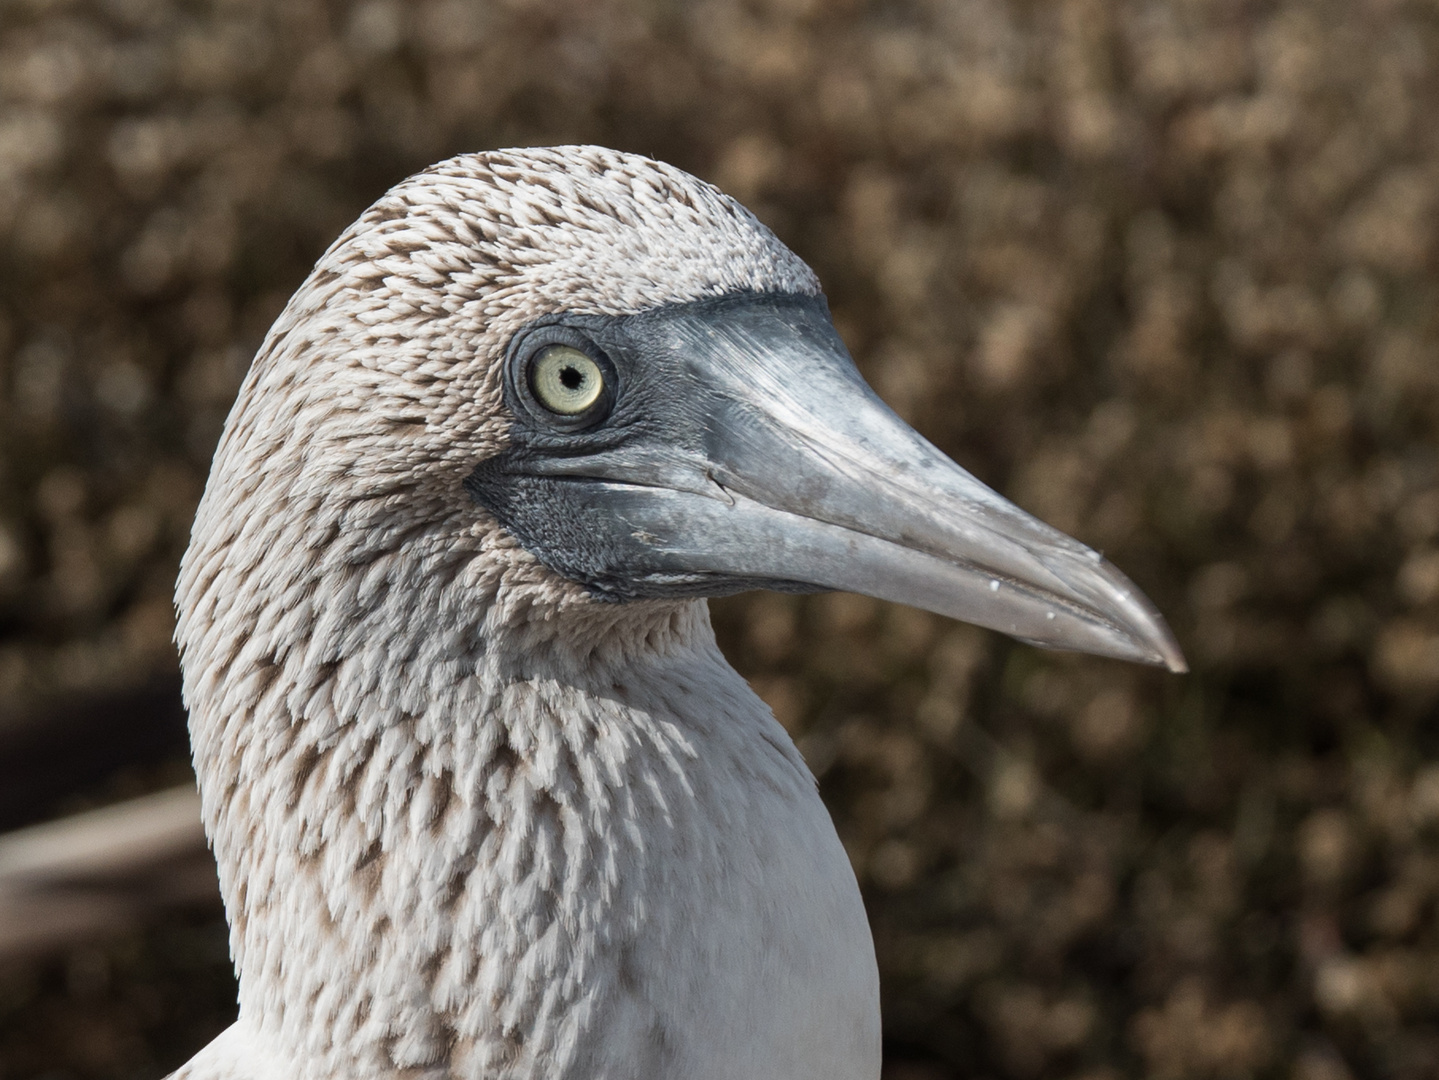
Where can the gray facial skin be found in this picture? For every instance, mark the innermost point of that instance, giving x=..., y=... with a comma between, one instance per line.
x=740, y=448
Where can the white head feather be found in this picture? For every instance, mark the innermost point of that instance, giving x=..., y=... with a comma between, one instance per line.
x=469, y=821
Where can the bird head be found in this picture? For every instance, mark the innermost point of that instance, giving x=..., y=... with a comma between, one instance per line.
x=617, y=385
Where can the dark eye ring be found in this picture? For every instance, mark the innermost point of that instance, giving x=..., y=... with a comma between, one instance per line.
x=563, y=379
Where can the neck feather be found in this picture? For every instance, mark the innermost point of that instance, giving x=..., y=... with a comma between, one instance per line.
x=429, y=791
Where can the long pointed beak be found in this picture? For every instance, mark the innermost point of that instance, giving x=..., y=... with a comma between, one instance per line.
x=802, y=477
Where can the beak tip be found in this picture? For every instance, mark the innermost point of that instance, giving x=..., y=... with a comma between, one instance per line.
x=1135, y=619
x=1160, y=638
x=1174, y=660
x=1163, y=650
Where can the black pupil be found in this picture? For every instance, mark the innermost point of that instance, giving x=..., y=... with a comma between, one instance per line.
x=571, y=378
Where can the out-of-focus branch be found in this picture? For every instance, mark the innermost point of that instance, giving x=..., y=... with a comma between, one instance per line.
x=102, y=871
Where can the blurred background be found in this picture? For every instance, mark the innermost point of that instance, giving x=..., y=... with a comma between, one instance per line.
x=1162, y=271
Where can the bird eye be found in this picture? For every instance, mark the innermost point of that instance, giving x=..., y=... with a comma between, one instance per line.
x=565, y=380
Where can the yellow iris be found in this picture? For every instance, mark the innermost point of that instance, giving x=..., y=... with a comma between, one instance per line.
x=565, y=380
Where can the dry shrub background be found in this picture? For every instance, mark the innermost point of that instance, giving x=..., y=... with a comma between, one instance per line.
x=1161, y=270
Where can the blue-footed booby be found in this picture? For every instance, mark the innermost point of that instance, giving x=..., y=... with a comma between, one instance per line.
x=486, y=800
